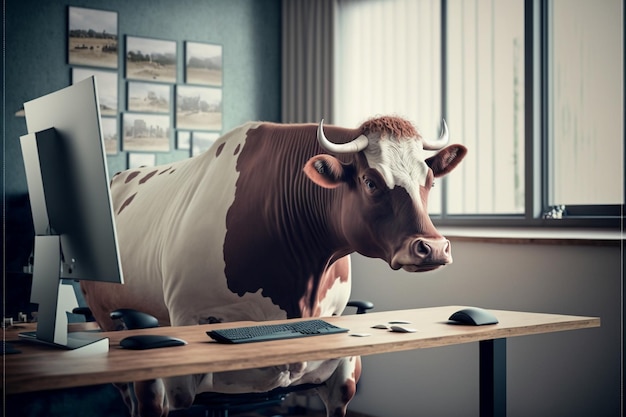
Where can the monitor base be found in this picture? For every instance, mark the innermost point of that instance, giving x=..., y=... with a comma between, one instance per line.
x=78, y=343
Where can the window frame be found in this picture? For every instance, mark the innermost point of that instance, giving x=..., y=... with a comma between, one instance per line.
x=536, y=137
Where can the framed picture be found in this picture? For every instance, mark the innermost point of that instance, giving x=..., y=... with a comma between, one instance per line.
x=198, y=108
x=203, y=141
x=148, y=97
x=110, y=135
x=183, y=140
x=203, y=64
x=150, y=59
x=107, y=88
x=146, y=132
x=92, y=37
x=138, y=160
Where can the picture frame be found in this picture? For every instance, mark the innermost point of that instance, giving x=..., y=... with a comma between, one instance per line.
x=202, y=141
x=149, y=59
x=107, y=88
x=92, y=37
x=110, y=134
x=203, y=64
x=146, y=132
x=198, y=108
x=138, y=160
x=148, y=97
x=183, y=140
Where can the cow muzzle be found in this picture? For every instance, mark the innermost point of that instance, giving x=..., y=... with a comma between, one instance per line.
x=423, y=254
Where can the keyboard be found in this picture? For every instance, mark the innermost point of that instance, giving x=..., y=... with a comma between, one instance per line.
x=265, y=332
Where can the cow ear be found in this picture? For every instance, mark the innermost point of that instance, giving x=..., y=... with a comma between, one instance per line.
x=324, y=170
x=446, y=159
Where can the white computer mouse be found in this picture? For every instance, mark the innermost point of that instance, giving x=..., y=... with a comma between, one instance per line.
x=401, y=329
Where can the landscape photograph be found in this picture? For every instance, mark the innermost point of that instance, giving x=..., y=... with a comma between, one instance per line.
x=150, y=59
x=201, y=141
x=203, y=64
x=106, y=81
x=110, y=134
x=146, y=132
x=92, y=37
x=148, y=97
x=198, y=108
x=183, y=140
x=138, y=160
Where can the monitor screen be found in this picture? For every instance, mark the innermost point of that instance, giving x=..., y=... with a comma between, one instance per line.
x=67, y=169
x=68, y=186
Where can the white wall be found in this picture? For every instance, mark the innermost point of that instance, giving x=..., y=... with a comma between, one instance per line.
x=575, y=373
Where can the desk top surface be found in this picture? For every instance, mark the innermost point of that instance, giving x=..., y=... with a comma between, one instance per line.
x=40, y=368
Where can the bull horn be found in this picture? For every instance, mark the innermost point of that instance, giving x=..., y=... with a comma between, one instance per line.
x=353, y=146
x=439, y=143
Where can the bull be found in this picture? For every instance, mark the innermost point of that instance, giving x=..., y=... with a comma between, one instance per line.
x=260, y=227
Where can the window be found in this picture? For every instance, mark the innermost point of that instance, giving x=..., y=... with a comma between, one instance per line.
x=388, y=61
x=534, y=89
x=586, y=85
x=485, y=105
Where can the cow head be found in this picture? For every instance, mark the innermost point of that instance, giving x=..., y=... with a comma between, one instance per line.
x=386, y=181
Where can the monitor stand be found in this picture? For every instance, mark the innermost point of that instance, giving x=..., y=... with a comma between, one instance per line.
x=55, y=300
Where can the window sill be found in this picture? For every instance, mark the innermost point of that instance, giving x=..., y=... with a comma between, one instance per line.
x=535, y=235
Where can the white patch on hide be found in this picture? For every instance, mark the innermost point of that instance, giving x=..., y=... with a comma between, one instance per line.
x=400, y=163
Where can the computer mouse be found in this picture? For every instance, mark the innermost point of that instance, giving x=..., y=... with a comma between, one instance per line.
x=150, y=341
x=401, y=329
x=473, y=316
x=380, y=326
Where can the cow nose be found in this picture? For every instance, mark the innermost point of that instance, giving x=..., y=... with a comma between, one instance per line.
x=433, y=250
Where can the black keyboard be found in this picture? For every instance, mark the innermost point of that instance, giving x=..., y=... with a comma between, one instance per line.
x=265, y=332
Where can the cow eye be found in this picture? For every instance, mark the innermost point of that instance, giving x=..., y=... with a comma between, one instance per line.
x=371, y=185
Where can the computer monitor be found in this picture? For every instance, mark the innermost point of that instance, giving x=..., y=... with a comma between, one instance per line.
x=68, y=186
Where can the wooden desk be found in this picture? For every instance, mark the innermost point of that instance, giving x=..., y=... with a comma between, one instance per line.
x=41, y=368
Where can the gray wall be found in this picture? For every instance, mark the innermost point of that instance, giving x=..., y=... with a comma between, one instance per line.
x=249, y=30
x=36, y=64
x=569, y=374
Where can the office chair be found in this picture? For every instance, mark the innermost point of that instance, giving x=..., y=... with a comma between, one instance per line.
x=213, y=404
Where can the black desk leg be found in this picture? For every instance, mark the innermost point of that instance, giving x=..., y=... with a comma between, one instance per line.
x=493, y=378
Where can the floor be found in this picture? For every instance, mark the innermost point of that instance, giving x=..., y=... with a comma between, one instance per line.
x=272, y=412
x=284, y=412
x=292, y=406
